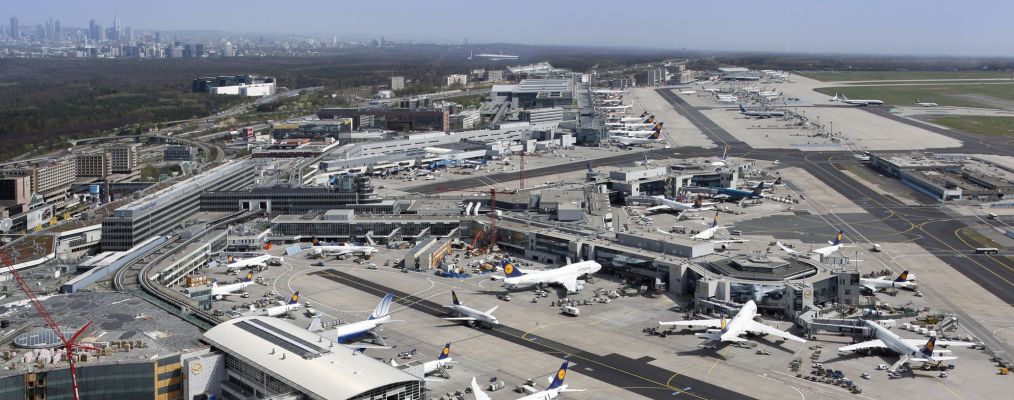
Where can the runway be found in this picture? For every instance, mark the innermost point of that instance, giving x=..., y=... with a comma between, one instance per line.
x=636, y=376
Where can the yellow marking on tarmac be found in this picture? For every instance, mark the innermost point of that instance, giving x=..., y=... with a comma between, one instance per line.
x=957, y=233
x=715, y=364
x=948, y=390
x=543, y=344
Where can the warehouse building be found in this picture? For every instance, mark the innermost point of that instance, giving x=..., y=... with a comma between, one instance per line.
x=268, y=358
x=242, y=85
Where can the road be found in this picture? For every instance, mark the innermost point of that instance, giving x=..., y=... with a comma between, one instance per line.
x=637, y=376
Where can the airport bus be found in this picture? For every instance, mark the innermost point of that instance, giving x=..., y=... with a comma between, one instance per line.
x=987, y=250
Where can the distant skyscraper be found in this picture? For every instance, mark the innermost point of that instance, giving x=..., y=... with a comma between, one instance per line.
x=50, y=29
x=129, y=33
x=57, y=31
x=93, y=30
x=15, y=29
x=198, y=50
x=397, y=82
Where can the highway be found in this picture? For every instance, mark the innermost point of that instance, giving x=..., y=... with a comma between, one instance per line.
x=636, y=376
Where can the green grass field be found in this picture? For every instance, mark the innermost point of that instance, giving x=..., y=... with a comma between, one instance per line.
x=990, y=126
x=900, y=75
x=1000, y=96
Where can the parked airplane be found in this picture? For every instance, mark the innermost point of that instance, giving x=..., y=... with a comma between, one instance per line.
x=736, y=194
x=841, y=97
x=927, y=354
x=760, y=114
x=638, y=133
x=341, y=249
x=470, y=315
x=673, y=205
x=566, y=275
x=349, y=333
x=902, y=281
x=439, y=365
x=654, y=137
x=218, y=291
x=709, y=233
x=238, y=263
x=925, y=104
x=767, y=185
x=554, y=389
x=724, y=161
x=282, y=309
x=687, y=92
x=728, y=99
x=835, y=245
x=631, y=124
x=730, y=331
x=607, y=91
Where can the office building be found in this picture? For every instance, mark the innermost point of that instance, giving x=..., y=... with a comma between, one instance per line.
x=179, y=153
x=243, y=85
x=15, y=190
x=123, y=159
x=397, y=82
x=15, y=29
x=457, y=79
x=94, y=165
x=50, y=178
x=162, y=212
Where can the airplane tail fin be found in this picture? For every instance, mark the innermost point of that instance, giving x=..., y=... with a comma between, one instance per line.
x=560, y=375
x=644, y=114
x=454, y=299
x=446, y=352
x=714, y=222
x=930, y=345
x=655, y=135
x=230, y=260
x=383, y=308
x=778, y=181
x=508, y=268
x=315, y=325
x=838, y=238
x=295, y=298
x=757, y=190
x=741, y=108
x=697, y=202
x=903, y=277
x=724, y=324
x=249, y=277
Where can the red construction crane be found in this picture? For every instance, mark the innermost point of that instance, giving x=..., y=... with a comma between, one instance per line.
x=68, y=344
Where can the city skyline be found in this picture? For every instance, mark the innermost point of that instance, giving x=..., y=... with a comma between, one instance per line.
x=905, y=27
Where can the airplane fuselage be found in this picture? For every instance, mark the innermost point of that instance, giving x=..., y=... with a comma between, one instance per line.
x=551, y=275
x=465, y=311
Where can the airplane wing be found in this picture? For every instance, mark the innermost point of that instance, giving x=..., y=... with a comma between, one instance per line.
x=758, y=327
x=658, y=208
x=569, y=282
x=786, y=249
x=871, y=344
x=873, y=289
x=477, y=391
x=710, y=323
x=460, y=319
x=942, y=343
x=730, y=241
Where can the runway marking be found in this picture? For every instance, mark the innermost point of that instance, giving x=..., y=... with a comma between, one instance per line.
x=957, y=233
x=542, y=344
x=948, y=390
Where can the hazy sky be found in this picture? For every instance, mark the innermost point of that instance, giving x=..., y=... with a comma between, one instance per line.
x=968, y=27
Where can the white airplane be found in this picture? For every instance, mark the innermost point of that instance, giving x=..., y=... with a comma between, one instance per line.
x=218, y=291
x=687, y=92
x=673, y=205
x=439, y=365
x=841, y=97
x=713, y=90
x=607, y=91
x=283, y=309
x=645, y=118
x=342, y=249
x=623, y=107
x=740, y=324
x=566, y=275
x=902, y=281
x=470, y=315
x=238, y=263
x=769, y=93
x=767, y=185
x=927, y=354
x=724, y=161
x=709, y=233
x=630, y=124
x=654, y=137
x=349, y=333
x=728, y=99
x=925, y=104
x=554, y=389
x=610, y=100
x=823, y=251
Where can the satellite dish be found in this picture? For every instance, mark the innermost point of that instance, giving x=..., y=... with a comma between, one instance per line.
x=6, y=225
